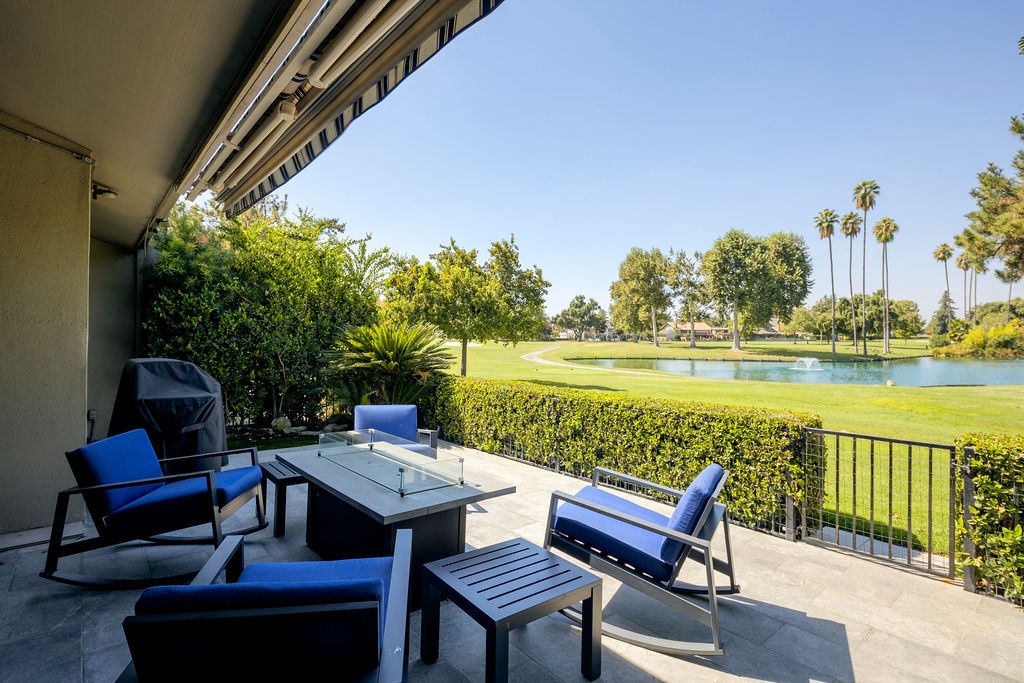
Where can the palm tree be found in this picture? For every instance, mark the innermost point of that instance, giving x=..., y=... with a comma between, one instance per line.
x=885, y=230
x=825, y=222
x=942, y=254
x=850, y=227
x=864, y=195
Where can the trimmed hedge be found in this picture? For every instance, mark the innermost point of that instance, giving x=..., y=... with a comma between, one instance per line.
x=662, y=440
x=997, y=471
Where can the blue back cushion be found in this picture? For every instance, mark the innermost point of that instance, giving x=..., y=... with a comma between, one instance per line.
x=399, y=420
x=118, y=458
x=690, y=507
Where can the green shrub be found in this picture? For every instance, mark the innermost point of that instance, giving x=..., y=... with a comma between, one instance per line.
x=662, y=440
x=997, y=472
x=386, y=363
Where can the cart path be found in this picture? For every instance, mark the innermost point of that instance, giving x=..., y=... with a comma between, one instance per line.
x=534, y=357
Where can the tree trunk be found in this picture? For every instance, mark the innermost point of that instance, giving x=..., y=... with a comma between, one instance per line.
x=654, y=326
x=832, y=279
x=693, y=339
x=885, y=298
x=864, y=286
x=736, y=329
x=966, y=302
x=853, y=300
x=949, y=304
x=465, y=343
x=1009, y=297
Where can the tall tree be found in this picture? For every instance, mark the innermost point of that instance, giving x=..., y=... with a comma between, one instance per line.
x=864, y=195
x=641, y=293
x=687, y=286
x=495, y=301
x=580, y=315
x=885, y=230
x=757, y=278
x=825, y=222
x=850, y=227
x=942, y=254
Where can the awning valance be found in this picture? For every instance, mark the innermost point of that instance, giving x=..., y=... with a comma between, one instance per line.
x=351, y=57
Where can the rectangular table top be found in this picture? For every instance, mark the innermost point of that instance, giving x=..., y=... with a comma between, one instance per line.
x=381, y=503
x=513, y=582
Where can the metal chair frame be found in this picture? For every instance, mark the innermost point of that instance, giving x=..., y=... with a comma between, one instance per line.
x=676, y=595
x=58, y=548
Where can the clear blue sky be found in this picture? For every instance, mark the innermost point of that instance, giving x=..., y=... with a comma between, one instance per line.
x=587, y=127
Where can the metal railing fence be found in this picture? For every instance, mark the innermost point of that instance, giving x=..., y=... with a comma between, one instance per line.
x=892, y=499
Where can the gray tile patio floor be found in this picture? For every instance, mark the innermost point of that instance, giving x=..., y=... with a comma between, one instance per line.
x=804, y=614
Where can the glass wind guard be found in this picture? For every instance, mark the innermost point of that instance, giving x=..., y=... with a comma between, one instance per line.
x=391, y=465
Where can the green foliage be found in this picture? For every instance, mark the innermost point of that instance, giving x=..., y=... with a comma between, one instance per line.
x=658, y=439
x=254, y=301
x=997, y=473
x=686, y=284
x=757, y=278
x=641, y=297
x=498, y=300
x=989, y=341
x=581, y=315
x=387, y=363
x=939, y=324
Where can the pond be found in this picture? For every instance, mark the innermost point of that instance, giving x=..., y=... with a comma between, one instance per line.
x=908, y=372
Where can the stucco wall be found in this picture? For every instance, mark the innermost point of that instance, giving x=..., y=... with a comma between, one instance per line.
x=111, y=325
x=44, y=318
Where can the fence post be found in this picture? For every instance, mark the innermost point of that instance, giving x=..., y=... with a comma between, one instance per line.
x=970, y=549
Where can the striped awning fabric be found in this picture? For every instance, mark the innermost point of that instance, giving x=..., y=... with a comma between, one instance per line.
x=373, y=49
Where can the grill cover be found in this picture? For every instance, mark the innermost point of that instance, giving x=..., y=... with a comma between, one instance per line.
x=179, y=406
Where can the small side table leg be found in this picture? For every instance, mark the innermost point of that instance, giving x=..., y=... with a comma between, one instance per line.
x=497, y=653
x=430, y=621
x=590, y=653
x=280, y=508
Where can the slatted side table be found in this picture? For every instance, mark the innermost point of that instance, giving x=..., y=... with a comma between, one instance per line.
x=283, y=477
x=504, y=586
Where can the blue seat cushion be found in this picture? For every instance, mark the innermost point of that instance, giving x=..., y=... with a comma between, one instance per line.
x=690, y=508
x=625, y=542
x=399, y=420
x=180, y=504
x=122, y=457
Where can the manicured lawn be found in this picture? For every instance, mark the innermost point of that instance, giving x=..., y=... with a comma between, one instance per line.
x=933, y=414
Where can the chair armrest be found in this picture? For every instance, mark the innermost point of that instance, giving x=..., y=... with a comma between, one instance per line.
x=628, y=519
x=393, y=657
x=431, y=435
x=229, y=555
x=137, y=482
x=636, y=481
x=251, y=450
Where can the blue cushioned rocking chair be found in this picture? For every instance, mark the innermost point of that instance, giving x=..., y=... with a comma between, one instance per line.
x=646, y=550
x=339, y=620
x=129, y=498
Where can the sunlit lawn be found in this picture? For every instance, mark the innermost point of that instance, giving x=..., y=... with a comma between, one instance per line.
x=933, y=414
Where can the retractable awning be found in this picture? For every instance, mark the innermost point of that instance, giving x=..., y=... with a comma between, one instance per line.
x=351, y=56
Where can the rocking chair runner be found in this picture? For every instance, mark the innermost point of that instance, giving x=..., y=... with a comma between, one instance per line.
x=129, y=498
x=646, y=550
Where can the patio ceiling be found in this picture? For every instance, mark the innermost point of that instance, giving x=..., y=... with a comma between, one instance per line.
x=175, y=98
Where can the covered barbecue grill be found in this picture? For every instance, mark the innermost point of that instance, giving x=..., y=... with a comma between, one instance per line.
x=179, y=406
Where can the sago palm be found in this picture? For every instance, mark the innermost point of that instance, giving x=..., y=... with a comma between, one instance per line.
x=850, y=227
x=885, y=230
x=390, y=363
x=864, y=195
x=825, y=222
